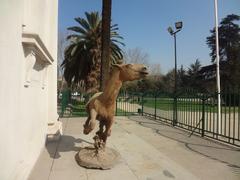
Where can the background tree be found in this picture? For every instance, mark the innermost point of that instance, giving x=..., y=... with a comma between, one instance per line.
x=62, y=44
x=229, y=47
x=193, y=75
x=146, y=84
x=155, y=69
x=82, y=57
x=137, y=56
x=182, y=78
x=168, y=81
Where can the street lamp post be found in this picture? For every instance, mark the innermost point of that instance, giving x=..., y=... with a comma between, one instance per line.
x=217, y=67
x=178, y=26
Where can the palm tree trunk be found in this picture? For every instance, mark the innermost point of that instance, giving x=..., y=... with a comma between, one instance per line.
x=105, y=57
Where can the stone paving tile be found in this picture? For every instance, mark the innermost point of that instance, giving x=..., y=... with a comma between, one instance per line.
x=119, y=172
x=204, y=158
x=42, y=168
x=145, y=154
x=146, y=161
x=68, y=175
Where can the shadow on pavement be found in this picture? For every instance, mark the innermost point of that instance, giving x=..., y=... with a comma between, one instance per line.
x=207, y=148
x=65, y=144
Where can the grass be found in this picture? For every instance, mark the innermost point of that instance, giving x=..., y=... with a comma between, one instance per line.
x=166, y=104
x=121, y=112
x=78, y=110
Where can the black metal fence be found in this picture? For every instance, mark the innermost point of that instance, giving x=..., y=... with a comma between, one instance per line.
x=197, y=112
x=190, y=110
x=71, y=104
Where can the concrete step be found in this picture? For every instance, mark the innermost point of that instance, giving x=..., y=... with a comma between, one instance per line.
x=54, y=131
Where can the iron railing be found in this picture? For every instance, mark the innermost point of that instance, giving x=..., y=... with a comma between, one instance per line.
x=197, y=112
x=191, y=110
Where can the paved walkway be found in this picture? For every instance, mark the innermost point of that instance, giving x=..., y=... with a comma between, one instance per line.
x=149, y=151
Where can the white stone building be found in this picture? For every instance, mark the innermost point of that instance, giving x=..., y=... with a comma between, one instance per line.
x=28, y=84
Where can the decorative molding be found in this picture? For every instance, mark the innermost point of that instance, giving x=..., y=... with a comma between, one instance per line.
x=34, y=42
x=30, y=61
x=36, y=54
x=44, y=77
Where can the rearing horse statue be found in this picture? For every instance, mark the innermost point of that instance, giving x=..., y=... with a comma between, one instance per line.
x=102, y=105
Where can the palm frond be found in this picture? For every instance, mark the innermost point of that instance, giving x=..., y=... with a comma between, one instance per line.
x=82, y=56
x=77, y=29
x=83, y=23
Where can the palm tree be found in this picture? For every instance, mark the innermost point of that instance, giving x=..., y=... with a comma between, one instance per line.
x=82, y=57
x=106, y=21
x=194, y=68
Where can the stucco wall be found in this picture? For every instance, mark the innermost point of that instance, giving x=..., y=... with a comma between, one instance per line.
x=25, y=111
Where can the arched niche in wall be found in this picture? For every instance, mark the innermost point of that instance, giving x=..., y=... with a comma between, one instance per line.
x=37, y=60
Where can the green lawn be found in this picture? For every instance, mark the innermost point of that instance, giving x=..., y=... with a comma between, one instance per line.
x=121, y=112
x=78, y=109
x=166, y=104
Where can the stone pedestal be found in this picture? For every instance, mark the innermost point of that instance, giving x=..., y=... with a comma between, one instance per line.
x=103, y=159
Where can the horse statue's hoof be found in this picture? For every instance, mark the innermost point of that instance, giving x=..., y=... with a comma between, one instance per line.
x=98, y=143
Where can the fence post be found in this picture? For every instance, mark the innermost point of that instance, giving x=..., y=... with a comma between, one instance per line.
x=175, y=110
x=155, y=106
x=203, y=116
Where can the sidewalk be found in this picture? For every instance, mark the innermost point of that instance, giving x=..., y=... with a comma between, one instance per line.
x=149, y=151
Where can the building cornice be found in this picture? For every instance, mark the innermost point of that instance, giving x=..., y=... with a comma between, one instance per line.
x=33, y=41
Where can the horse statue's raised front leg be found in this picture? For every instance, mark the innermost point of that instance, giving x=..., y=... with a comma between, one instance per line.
x=90, y=122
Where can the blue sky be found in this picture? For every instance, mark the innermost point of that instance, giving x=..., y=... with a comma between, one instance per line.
x=144, y=23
